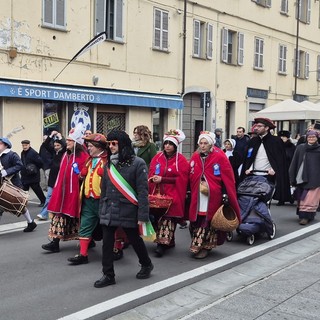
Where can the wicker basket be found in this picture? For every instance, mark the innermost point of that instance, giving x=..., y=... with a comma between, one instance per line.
x=225, y=219
x=159, y=201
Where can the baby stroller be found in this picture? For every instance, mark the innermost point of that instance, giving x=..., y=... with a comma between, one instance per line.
x=254, y=197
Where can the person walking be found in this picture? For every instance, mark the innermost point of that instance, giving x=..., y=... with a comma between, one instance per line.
x=90, y=192
x=304, y=174
x=30, y=173
x=211, y=175
x=234, y=157
x=266, y=156
x=56, y=145
x=168, y=174
x=124, y=203
x=242, y=140
x=64, y=205
x=10, y=166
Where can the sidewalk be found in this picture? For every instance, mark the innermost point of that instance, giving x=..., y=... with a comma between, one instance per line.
x=283, y=284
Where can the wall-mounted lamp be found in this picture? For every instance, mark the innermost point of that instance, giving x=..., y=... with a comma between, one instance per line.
x=179, y=11
x=95, y=80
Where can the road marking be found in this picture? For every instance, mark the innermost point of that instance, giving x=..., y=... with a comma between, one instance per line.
x=160, y=288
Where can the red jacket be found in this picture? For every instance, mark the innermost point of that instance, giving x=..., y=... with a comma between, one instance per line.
x=215, y=169
x=66, y=192
x=174, y=180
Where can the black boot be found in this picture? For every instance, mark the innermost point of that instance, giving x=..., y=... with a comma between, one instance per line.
x=31, y=226
x=52, y=246
x=78, y=259
x=145, y=272
x=160, y=250
x=117, y=254
x=104, y=281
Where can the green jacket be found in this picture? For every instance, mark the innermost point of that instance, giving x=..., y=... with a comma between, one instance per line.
x=147, y=152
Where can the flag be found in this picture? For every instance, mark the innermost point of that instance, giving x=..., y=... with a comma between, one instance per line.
x=147, y=232
x=92, y=43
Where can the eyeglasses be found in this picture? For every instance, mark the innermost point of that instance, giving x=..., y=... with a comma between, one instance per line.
x=113, y=143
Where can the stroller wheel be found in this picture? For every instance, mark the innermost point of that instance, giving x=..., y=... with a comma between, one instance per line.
x=273, y=234
x=250, y=240
x=229, y=236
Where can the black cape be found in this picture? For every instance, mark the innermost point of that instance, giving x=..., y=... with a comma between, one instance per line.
x=276, y=154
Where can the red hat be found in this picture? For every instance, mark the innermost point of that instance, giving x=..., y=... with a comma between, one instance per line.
x=267, y=122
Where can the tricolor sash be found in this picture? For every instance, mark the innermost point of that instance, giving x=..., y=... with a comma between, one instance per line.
x=122, y=185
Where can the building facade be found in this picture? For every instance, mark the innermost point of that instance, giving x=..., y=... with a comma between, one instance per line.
x=167, y=64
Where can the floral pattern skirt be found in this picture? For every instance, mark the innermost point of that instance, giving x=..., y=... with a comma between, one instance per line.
x=202, y=235
x=63, y=227
x=165, y=231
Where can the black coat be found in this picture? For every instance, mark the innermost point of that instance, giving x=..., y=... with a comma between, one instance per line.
x=12, y=163
x=30, y=156
x=276, y=154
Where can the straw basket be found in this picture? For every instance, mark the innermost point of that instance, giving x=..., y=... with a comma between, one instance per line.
x=159, y=201
x=225, y=219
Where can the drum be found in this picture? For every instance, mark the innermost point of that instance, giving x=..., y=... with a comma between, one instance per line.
x=12, y=198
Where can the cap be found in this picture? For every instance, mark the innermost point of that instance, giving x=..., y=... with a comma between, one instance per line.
x=266, y=121
x=25, y=142
x=6, y=142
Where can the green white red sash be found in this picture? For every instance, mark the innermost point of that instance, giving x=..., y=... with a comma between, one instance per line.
x=122, y=185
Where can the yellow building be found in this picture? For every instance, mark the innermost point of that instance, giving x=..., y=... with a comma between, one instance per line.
x=167, y=64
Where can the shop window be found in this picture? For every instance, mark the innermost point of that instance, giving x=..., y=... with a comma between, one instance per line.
x=106, y=122
x=52, y=115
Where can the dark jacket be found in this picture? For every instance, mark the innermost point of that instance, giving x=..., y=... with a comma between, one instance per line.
x=27, y=157
x=46, y=156
x=115, y=209
x=12, y=163
x=275, y=150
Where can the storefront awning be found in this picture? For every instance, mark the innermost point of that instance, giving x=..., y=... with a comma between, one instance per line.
x=45, y=91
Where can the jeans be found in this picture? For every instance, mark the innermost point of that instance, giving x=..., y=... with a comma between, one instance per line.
x=44, y=211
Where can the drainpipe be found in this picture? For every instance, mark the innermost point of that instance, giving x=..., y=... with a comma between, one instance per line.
x=297, y=48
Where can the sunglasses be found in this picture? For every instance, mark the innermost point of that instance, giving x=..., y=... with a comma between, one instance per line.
x=113, y=143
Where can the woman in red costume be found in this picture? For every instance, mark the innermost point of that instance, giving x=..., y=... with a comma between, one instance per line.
x=168, y=172
x=209, y=167
x=64, y=205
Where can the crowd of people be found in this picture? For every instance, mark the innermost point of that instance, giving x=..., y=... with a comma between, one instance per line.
x=98, y=186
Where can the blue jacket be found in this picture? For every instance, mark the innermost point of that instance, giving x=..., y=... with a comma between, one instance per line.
x=12, y=163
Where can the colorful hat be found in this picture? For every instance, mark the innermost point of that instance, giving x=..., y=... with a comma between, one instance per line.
x=97, y=139
x=176, y=136
x=209, y=136
x=312, y=133
x=6, y=142
x=76, y=134
x=266, y=121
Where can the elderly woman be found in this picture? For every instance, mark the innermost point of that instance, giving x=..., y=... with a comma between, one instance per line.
x=168, y=175
x=304, y=173
x=210, y=176
x=233, y=156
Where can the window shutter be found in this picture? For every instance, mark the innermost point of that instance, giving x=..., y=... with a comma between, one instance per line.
x=196, y=38
x=308, y=18
x=224, y=45
x=60, y=13
x=165, y=30
x=268, y=3
x=240, y=48
x=318, y=68
x=209, y=40
x=100, y=16
x=157, y=28
x=48, y=12
x=306, y=66
x=118, y=23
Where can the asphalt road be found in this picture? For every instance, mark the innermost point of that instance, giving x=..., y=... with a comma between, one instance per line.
x=40, y=285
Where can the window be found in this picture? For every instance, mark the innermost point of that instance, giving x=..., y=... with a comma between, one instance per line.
x=264, y=3
x=258, y=53
x=160, y=26
x=54, y=14
x=304, y=11
x=284, y=6
x=232, y=51
x=109, y=18
x=202, y=39
x=282, y=59
x=301, y=68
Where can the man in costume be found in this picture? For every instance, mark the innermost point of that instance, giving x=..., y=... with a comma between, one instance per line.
x=90, y=193
x=267, y=153
x=10, y=165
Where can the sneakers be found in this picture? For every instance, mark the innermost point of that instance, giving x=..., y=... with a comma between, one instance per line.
x=41, y=217
x=31, y=226
x=145, y=272
x=117, y=254
x=78, y=259
x=51, y=246
x=104, y=281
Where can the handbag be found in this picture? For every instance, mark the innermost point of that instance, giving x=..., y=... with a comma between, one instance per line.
x=225, y=219
x=204, y=189
x=159, y=201
x=31, y=169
